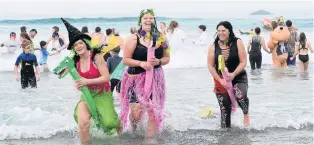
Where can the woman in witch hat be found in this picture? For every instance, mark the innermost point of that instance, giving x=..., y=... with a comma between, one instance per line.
x=93, y=70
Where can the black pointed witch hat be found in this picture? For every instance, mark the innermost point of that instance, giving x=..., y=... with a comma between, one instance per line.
x=74, y=34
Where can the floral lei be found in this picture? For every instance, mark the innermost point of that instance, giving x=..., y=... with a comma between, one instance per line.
x=160, y=40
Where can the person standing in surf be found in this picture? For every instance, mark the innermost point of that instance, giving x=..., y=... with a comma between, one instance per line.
x=233, y=52
x=94, y=74
x=254, y=49
x=27, y=61
x=176, y=37
x=133, y=94
x=302, y=48
x=291, y=43
x=11, y=44
x=116, y=68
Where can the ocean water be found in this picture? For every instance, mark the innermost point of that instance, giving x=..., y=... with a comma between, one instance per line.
x=123, y=25
x=281, y=102
x=281, y=111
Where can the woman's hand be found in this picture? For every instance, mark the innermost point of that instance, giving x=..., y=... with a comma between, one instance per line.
x=223, y=83
x=77, y=87
x=146, y=65
x=155, y=62
x=231, y=76
x=81, y=82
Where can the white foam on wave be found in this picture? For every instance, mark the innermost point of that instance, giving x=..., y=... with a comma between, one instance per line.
x=24, y=122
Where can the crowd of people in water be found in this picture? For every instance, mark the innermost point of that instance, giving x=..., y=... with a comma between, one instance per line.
x=96, y=58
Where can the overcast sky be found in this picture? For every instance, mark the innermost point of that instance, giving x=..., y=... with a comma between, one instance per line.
x=30, y=9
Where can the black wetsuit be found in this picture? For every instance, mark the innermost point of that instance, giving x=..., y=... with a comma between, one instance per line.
x=140, y=53
x=240, y=83
x=27, y=69
x=255, y=54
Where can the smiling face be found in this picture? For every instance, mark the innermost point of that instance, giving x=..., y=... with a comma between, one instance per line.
x=27, y=49
x=80, y=47
x=223, y=33
x=146, y=21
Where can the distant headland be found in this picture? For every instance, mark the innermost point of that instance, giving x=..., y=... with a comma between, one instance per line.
x=261, y=12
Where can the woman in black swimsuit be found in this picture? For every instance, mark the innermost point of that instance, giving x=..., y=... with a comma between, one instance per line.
x=301, y=49
x=133, y=95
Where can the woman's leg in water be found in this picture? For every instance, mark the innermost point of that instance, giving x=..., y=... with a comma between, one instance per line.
x=225, y=109
x=135, y=114
x=243, y=101
x=259, y=61
x=83, y=122
x=306, y=65
x=301, y=66
x=151, y=124
x=252, y=62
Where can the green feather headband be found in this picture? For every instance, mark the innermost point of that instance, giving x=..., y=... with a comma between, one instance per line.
x=143, y=12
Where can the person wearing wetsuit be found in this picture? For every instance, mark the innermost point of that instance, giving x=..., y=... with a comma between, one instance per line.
x=28, y=61
x=254, y=49
x=115, y=67
x=133, y=96
x=233, y=51
x=302, y=47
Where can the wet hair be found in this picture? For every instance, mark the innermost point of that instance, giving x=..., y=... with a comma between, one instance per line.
x=203, y=27
x=23, y=29
x=26, y=44
x=84, y=30
x=274, y=25
x=288, y=23
x=95, y=51
x=114, y=32
x=163, y=23
x=131, y=30
x=97, y=29
x=25, y=35
x=108, y=31
x=257, y=30
x=33, y=30
x=172, y=25
x=56, y=28
x=302, y=39
x=232, y=37
x=42, y=43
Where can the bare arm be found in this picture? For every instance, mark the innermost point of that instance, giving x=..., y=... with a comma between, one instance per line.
x=37, y=71
x=249, y=45
x=242, y=57
x=128, y=51
x=165, y=59
x=309, y=47
x=296, y=52
x=264, y=45
x=211, y=63
x=50, y=38
x=103, y=70
x=16, y=72
x=65, y=45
